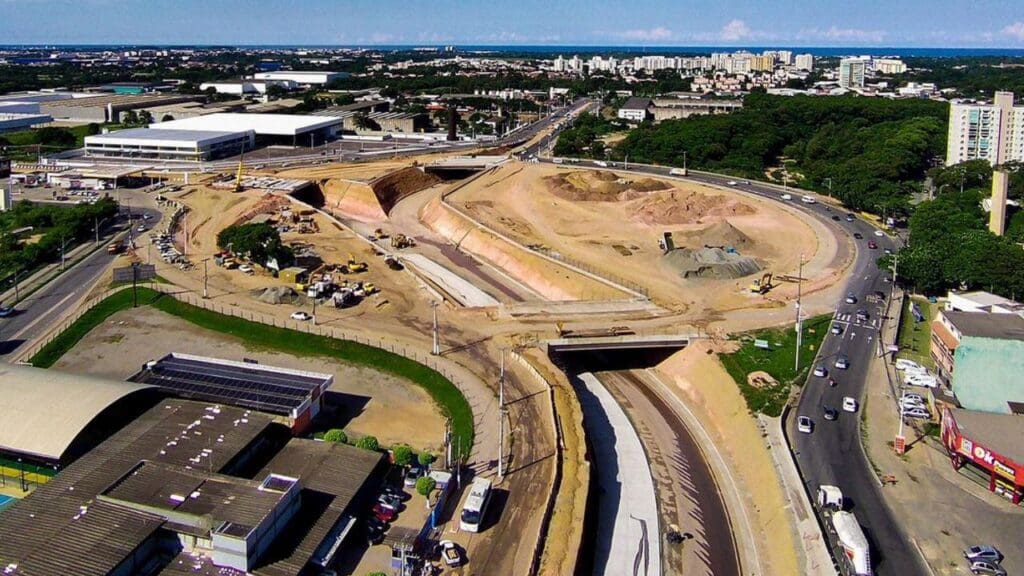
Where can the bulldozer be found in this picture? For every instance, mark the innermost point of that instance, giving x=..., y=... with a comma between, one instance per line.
x=399, y=241
x=763, y=285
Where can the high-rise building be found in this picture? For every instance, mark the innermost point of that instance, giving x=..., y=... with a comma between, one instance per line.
x=993, y=132
x=764, y=63
x=805, y=62
x=851, y=72
x=785, y=57
x=559, y=64
x=889, y=66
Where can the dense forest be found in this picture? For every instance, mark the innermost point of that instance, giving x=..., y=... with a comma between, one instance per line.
x=873, y=152
x=973, y=77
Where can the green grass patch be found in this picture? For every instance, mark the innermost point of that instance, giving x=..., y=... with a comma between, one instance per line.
x=915, y=338
x=453, y=404
x=778, y=361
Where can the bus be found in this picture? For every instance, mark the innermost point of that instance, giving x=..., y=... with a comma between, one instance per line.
x=476, y=505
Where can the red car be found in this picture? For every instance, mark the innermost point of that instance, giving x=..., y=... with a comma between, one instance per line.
x=384, y=513
x=872, y=245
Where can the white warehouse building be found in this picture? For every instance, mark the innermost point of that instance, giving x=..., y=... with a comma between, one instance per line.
x=290, y=129
x=246, y=86
x=180, y=145
x=301, y=77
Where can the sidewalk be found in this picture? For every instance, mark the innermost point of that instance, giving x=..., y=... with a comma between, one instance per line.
x=813, y=546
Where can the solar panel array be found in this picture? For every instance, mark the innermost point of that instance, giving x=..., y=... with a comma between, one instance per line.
x=262, y=390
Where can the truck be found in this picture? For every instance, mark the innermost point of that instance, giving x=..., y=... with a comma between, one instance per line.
x=850, y=538
x=830, y=497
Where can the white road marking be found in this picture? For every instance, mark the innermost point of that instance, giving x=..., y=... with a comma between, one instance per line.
x=40, y=317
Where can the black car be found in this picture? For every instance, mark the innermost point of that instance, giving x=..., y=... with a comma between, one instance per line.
x=375, y=530
x=836, y=218
x=831, y=414
x=858, y=235
x=850, y=218
x=862, y=314
x=6, y=311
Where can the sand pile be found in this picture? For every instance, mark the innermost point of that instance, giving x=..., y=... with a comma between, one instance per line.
x=710, y=262
x=721, y=234
x=686, y=207
x=601, y=186
x=277, y=295
x=372, y=201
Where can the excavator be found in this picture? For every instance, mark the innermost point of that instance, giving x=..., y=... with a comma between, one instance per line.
x=354, y=267
x=763, y=285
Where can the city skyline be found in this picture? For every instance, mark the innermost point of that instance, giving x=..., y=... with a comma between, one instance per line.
x=654, y=23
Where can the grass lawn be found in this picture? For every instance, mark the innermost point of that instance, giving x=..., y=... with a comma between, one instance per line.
x=914, y=338
x=778, y=361
x=453, y=404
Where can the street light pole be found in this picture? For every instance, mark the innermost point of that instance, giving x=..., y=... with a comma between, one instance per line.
x=436, y=350
x=501, y=419
x=206, y=278
x=799, y=328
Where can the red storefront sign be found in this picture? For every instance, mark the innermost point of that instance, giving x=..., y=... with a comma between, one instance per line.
x=957, y=443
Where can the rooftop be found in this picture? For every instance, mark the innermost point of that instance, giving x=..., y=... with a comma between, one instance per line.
x=190, y=137
x=266, y=388
x=988, y=372
x=985, y=325
x=636, y=103
x=1000, y=433
x=119, y=100
x=272, y=124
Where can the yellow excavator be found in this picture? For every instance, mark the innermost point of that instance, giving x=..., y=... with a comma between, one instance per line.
x=763, y=285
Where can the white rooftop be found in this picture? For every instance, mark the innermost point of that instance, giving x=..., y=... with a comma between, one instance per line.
x=164, y=137
x=270, y=124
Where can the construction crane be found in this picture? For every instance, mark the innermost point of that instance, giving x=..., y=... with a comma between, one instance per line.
x=238, y=175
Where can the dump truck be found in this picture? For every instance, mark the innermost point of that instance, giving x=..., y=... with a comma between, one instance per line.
x=399, y=241
x=851, y=539
x=763, y=285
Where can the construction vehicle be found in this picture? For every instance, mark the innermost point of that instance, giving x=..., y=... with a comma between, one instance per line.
x=393, y=262
x=763, y=285
x=379, y=234
x=238, y=176
x=353, y=267
x=399, y=241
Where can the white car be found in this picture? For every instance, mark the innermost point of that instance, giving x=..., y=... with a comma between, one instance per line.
x=808, y=200
x=837, y=329
x=913, y=396
x=916, y=413
x=804, y=424
x=907, y=403
x=849, y=404
x=879, y=233
x=245, y=269
x=787, y=196
x=451, y=555
x=903, y=364
x=820, y=371
x=301, y=316
x=842, y=363
x=731, y=182
x=923, y=382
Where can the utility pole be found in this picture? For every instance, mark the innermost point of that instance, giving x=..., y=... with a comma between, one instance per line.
x=799, y=327
x=313, y=319
x=501, y=418
x=206, y=278
x=63, y=245
x=436, y=350
x=829, y=181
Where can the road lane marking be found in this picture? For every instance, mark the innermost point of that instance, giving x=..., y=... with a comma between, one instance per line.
x=40, y=318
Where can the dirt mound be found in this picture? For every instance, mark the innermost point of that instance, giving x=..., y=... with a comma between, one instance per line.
x=760, y=379
x=721, y=234
x=372, y=201
x=710, y=262
x=601, y=186
x=277, y=295
x=686, y=207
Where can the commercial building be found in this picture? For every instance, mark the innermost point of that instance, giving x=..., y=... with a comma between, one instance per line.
x=987, y=448
x=851, y=72
x=404, y=122
x=296, y=396
x=889, y=66
x=181, y=145
x=987, y=374
x=11, y=122
x=636, y=109
x=107, y=108
x=951, y=327
x=291, y=129
x=674, y=108
x=246, y=86
x=301, y=77
x=981, y=301
x=187, y=488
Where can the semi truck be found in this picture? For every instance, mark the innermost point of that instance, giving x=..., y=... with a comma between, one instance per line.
x=854, y=545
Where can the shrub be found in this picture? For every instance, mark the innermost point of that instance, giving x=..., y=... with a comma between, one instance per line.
x=425, y=459
x=425, y=485
x=403, y=455
x=336, y=435
x=368, y=443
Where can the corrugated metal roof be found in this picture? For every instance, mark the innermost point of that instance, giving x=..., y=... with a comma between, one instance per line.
x=46, y=409
x=988, y=373
x=999, y=432
x=986, y=325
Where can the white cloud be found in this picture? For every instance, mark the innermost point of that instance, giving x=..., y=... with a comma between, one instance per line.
x=657, y=34
x=842, y=34
x=734, y=30
x=1015, y=31
x=383, y=38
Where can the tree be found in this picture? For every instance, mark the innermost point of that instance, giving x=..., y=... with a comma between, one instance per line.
x=57, y=137
x=145, y=117
x=336, y=435
x=275, y=91
x=258, y=242
x=425, y=485
x=402, y=455
x=364, y=122
x=92, y=129
x=131, y=117
x=425, y=459
x=368, y=443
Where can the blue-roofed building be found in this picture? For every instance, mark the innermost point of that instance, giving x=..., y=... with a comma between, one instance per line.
x=989, y=375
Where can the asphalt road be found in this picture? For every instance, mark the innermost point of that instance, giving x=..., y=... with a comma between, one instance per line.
x=833, y=454
x=37, y=313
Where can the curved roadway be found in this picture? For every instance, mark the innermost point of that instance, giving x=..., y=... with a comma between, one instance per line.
x=833, y=453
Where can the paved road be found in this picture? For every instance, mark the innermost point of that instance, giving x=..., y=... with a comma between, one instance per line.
x=833, y=453
x=37, y=313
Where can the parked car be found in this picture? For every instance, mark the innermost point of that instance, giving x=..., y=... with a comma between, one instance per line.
x=907, y=404
x=983, y=552
x=804, y=424
x=390, y=500
x=851, y=298
x=849, y=404
x=375, y=530
x=903, y=364
x=912, y=396
x=414, y=473
x=831, y=414
x=915, y=413
x=921, y=381
x=450, y=553
x=245, y=269
x=987, y=567
x=301, y=316
x=842, y=362
x=384, y=513
x=820, y=371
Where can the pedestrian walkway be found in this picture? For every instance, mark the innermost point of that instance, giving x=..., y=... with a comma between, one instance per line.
x=628, y=534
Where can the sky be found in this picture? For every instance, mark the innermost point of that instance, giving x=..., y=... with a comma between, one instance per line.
x=822, y=23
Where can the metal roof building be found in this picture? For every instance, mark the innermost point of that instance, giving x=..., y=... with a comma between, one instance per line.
x=46, y=413
x=292, y=126
x=989, y=374
x=188, y=145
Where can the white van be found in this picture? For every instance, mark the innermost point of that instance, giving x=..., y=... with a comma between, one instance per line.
x=807, y=200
